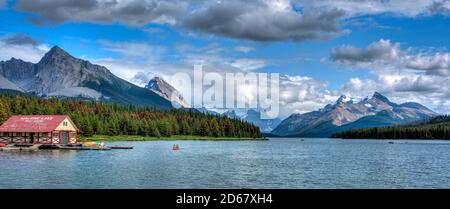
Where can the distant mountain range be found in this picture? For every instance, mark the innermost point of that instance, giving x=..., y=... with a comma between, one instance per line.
x=346, y=114
x=254, y=117
x=59, y=74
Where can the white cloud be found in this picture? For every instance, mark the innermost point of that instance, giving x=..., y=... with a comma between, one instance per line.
x=281, y=20
x=384, y=54
x=20, y=48
x=132, y=49
x=131, y=12
x=410, y=8
x=249, y=64
x=300, y=94
x=404, y=75
x=424, y=89
x=244, y=49
x=380, y=51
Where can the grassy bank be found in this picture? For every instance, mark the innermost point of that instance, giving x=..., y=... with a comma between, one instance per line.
x=172, y=138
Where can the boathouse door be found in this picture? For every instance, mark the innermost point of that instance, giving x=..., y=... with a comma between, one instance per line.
x=64, y=137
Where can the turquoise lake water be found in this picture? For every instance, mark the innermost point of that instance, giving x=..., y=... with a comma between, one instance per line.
x=277, y=163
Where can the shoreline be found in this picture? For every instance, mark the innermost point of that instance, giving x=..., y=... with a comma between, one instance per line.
x=124, y=138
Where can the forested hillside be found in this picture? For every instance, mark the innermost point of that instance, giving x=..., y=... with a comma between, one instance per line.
x=113, y=119
x=434, y=128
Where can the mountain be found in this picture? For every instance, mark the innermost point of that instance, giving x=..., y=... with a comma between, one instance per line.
x=434, y=128
x=164, y=89
x=6, y=84
x=59, y=74
x=254, y=117
x=346, y=114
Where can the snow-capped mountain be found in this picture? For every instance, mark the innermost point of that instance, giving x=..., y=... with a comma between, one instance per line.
x=346, y=114
x=62, y=75
x=164, y=89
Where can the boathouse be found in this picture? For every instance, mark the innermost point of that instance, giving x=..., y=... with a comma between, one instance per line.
x=39, y=129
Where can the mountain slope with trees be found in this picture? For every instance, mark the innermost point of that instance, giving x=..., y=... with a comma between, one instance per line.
x=59, y=74
x=97, y=118
x=435, y=128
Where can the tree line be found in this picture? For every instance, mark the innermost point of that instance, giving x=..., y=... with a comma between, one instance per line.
x=93, y=117
x=434, y=128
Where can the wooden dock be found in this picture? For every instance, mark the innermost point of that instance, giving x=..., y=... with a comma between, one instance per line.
x=83, y=148
x=36, y=147
x=31, y=148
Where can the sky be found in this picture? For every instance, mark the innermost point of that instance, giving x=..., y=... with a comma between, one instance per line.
x=322, y=49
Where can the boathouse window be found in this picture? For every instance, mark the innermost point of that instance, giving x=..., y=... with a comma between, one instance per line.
x=18, y=134
x=72, y=135
x=55, y=134
x=45, y=135
x=5, y=134
x=65, y=123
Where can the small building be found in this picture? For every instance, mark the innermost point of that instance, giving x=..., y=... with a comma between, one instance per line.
x=39, y=129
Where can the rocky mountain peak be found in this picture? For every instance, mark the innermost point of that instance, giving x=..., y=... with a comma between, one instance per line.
x=343, y=99
x=160, y=85
x=56, y=53
x=380, y=97
x=164, y=89
x=13, y=59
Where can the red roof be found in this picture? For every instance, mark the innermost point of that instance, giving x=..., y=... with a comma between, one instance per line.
x=32, y=123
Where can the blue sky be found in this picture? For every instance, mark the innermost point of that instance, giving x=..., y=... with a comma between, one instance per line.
x=331, y=48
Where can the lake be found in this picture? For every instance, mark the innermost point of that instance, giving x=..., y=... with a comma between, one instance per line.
x=277, y=163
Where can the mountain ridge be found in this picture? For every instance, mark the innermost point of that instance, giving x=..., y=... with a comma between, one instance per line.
x=254, y=117
x=375, y=111
x=59, y=74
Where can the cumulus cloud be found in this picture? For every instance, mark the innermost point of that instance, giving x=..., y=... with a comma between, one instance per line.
x=20, y=39
x=21, y=47
x=352, y=8
x=264, y=21
x=429, y=90
x=133, y=12
x=279, y=20
x=258, y=20
x=441, y=7
x=383, y=50
x=300, y=94
x=438, y=61
x=403, y=74
x=385, y=54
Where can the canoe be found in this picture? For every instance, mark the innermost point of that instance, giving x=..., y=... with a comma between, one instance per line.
x=88, y=144
x=120, y=147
